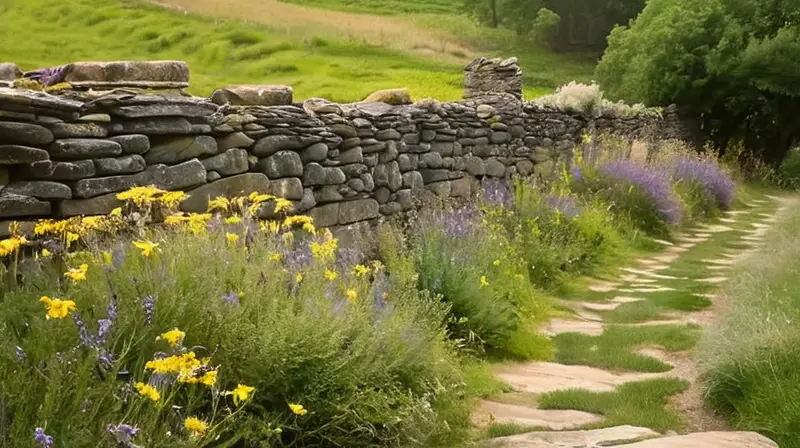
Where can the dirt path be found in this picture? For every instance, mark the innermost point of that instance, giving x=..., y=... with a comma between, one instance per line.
x=677, y=288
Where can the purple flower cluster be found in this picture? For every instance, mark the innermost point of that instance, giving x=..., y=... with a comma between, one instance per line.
x=566, y=205
x=457, y=222
x=653, y=184
x=707, y=174
x=123, y=434
x=149, y=305
x=42, y=439
x=47, y=76
x=497, y=193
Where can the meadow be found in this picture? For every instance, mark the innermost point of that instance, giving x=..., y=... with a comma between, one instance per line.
x=341, y=56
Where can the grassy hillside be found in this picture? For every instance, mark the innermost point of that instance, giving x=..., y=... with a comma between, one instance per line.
x=333, y=54
x=390, y=7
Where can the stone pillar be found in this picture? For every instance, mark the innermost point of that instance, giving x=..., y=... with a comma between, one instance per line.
x=487, y=76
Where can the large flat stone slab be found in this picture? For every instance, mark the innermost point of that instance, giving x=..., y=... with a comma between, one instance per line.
x=554, y=419
x=559, y=326
x=16, y=154
x=253, y=95
x=24, y=133
x=713, y=439
x=13, y=205
x=146, y=74
x=617, y=435
x=543, y=377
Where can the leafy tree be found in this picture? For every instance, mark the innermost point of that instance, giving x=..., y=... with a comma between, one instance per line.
x=734, y=64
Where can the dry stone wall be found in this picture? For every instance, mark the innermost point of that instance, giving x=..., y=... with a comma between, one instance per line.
x=70, y=151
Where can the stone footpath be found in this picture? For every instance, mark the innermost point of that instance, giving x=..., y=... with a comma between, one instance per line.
x=72, y=137
x=563, y=428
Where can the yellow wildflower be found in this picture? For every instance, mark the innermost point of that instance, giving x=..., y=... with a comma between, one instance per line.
x=148, y=391
x=13, y=228
x=46, y=253
x=117, y=212
x=257, y=198
x=72, y=237
x=195, y=426
x=173, y=220
x=209, y=378
x=298, y=409
x=221, y=203
x=107, y=258
x=146, y=247
x=198, y=374
x=519, y=277
x=275, y=256
x=282, y=205
x=174, y=363
x=330, y=275
x=173, y=337
x=11, y=245
x=352, y=295
x=360, y=270
x=57, y=308
x=172, y=198
x=377, y=265
x=484, y=282
x=233, y=220
x=77, y=274
x=232, y=238
x=324, y=251
x=306, y=222
x=92, y=222
x=241, y=393
x=288, y=237
x=270, y=227
x=496, y=263
x=298, y=277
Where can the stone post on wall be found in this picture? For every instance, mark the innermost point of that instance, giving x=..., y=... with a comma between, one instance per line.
x=492, y=76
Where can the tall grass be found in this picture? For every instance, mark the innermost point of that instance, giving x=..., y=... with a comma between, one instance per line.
x=751, y=359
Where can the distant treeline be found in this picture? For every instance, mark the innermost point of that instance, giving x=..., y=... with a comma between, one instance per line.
x=563, y=25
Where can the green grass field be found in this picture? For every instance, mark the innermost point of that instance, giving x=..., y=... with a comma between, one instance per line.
x=342, y=57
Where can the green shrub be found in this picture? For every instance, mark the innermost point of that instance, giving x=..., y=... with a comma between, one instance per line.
x=751, y=359
x=481, y=276
x=365, y=354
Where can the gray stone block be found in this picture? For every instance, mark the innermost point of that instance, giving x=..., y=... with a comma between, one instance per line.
x=314, y=153
x=185, y=175
x=100, y=205
x=89, y=188
x=15, y=205
x=12, y=132
x=83, y=148
x=325, y=215
x=42, y=189
x=316, y=174
x=179, y=149
x=235, y=140
x=132, y=144
x=281, y=164
x=231, y=162
x=359, y=210
x=17, y=154
x=49, y=170
x=132, y=163
x=290, y=188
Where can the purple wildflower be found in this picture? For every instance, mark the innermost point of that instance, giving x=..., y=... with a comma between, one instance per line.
x=232, y=298
x=111, y=310
x=497, y=192
x=105, y=358
x=86, y=339
x=123, y=434
x=566, y=205
x=103, y=328
x=576, y=173
x=149, y=305
x=47, y=76
x=296, y=259
x=708, y=175
x=42, y=439
x=653, y=184
x=457, y=222
x=19, y=352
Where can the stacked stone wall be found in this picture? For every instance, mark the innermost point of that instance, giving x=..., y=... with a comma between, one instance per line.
x=68, y=153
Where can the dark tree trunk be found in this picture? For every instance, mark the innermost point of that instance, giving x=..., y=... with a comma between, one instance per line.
x=493, y=6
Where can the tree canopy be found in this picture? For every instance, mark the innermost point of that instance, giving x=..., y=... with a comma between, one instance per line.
x=735, y=64
x=582, y=25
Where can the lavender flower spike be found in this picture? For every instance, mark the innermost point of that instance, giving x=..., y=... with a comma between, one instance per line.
x=651, y=183
x=42, y=439
x=19, y=352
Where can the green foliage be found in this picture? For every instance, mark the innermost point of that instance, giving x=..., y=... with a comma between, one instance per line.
x=482, y=278
x=368, y=372
x=558, y=234
x=639, y=404
x=750, y=359
x=789, y=171
x=733, y=64
x=698, y=203
x=388, y=7
x=545, y=25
